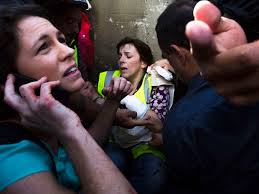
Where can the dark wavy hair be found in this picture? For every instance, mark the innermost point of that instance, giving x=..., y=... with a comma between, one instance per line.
x=10, y=15
x=9, y=45
x=142, y=48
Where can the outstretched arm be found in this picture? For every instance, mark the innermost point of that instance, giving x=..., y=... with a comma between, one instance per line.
x=226, y=61
x=88, y=104
x=101, y=128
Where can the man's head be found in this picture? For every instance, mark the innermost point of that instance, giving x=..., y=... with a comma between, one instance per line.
x=66, y=15
x=172, y=40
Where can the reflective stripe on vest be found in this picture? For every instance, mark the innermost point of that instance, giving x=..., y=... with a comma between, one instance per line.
x=145, y=148
x=143, y=93
x=105, y=79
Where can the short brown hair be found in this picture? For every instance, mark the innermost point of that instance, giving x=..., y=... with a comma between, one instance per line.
x=142, y=48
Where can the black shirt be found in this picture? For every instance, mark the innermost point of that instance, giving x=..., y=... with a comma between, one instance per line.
x=211, y=146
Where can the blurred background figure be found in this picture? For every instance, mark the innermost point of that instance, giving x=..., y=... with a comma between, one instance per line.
x=67, y=16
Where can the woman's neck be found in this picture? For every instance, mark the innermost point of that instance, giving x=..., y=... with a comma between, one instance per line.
x=136, y=81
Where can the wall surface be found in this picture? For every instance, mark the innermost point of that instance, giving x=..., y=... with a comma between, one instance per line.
x=114, y=19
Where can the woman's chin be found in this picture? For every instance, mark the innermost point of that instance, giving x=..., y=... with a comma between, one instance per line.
x=73, y=87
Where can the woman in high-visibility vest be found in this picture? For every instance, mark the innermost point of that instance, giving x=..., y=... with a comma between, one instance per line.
x=130, y=149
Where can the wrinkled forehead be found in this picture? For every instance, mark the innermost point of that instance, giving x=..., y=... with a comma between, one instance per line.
x=30, y=24
x=128, y=48
x=32, y=27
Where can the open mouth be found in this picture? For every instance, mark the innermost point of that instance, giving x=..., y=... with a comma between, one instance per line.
x=123, y=68
x=70, y=71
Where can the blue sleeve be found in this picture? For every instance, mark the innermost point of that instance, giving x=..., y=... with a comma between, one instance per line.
x=20, y=160
x=182, y=155
x=205, y=145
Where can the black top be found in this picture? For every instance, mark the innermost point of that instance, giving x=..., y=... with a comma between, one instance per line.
x=15, y=2
x=211, y=146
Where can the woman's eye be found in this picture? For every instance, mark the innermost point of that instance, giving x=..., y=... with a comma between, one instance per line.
x=42, y=47
x=62, y=40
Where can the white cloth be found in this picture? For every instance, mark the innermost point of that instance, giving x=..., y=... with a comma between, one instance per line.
x=130, y=137
x=160, y=77
x=134, y=104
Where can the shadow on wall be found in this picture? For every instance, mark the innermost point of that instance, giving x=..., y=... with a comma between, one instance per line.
x=114, y=19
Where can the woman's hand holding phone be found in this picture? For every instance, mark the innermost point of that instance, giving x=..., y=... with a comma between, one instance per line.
x=43, y=112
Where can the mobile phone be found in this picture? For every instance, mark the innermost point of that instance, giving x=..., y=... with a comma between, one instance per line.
x=58, y=93
x=21, y=80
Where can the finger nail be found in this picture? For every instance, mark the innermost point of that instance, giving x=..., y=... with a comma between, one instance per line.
x=43, y=78
x=10, y=76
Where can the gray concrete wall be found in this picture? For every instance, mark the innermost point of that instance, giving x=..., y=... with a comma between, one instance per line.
x=114, y=19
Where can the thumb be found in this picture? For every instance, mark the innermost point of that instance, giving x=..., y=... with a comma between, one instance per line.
x=201, y=39
x=201, y=31
x=208, y=13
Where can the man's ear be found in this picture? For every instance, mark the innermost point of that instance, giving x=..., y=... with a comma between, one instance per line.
x=178, y=52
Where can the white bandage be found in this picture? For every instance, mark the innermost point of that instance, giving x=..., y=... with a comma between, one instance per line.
x=134, y=104
x=164, y=73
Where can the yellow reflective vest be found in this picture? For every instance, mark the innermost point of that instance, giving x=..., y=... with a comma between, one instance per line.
x=143, y=93
x=73, y=45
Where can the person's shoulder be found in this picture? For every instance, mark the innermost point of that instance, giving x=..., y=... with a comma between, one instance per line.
x=194, y=107
x=21, y=159
x=196, y=102
x=223, y=116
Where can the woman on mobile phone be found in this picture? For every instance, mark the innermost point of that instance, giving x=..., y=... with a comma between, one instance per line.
x=53, y=153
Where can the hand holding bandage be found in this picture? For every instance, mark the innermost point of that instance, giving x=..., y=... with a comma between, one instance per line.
x=148, y=117
x=132, y=103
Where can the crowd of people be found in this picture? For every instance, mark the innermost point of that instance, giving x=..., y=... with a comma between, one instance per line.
x=134, y=133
